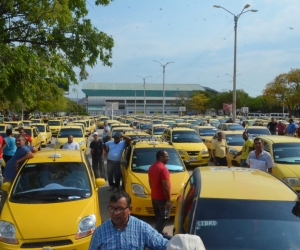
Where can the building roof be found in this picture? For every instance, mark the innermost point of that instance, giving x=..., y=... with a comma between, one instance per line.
x=140, y=86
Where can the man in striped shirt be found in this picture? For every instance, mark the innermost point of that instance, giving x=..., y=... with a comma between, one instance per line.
x=124, y=231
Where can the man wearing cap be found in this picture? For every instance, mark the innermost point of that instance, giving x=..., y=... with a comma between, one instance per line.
x=28, y=137
x=96, y=147
x=70, y=144
x=116, y=148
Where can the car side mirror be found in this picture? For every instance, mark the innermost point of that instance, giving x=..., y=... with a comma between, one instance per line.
x=6, y=186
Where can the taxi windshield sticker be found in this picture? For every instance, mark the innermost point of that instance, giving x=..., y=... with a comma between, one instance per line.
x=205, y=223
x=233, y=169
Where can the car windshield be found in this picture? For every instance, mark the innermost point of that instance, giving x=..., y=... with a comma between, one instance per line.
x=247, y=224
x=236, y=140
x=54, y=123
x=257, y=131
x=145, y=126
x=83, y=123
x=143, y=158
x=2, y=128
x=236, y=127
x=169, y=123
x=185, y=136
x=207, y=131
x=157, y=122
x=287, y=153
x=26, y=123
x=118, y=131
x=128, y=121
x=28, y=132
x=51, y=182
x=41, y=128
x=35, y=120
x=158, y=130
x=76, y=133
x=134, y=123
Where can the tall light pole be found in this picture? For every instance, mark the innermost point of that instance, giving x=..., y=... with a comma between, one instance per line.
x=236, y=18
x=164, y=69
x=75, y=90
x=144, y=78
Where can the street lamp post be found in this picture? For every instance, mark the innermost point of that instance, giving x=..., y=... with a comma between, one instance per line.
x=144, y=78
x=164, y=69
x=236, y=18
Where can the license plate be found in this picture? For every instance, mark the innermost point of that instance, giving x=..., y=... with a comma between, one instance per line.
x=193, y=158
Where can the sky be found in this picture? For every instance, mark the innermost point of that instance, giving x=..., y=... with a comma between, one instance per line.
x=199, y=40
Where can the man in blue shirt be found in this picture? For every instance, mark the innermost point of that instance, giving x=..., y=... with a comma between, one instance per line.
x=291, y=128
x=22, y=153
x=116, y=148
x=124, y=231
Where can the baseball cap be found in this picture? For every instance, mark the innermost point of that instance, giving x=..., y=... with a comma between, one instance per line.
x=116, y=135
x=185, y=241
x=95, y=133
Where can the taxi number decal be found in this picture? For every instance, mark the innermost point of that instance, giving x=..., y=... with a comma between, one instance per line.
x=206, y=223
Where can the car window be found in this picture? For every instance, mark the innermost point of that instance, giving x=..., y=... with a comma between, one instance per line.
x=51, y=182
x=28, y=132
x=54, y=123
x=185, y=136
x=236, y=127
x=245, y=224
x=41, y=128
x=76, y=133
x=189, y=195
x=258, y=131
x=287, y=153
x=207, y=131
x=143, y=158
x=158, y=130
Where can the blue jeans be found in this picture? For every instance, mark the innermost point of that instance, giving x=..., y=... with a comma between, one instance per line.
x=243, y=163
x=114, y=172
x=159, y=211
x=273, y=132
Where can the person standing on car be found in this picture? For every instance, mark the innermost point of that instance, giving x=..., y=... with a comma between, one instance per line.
x=116, y=148
x=105, y=133
x=160, y=185
x=220, y=150
x=259, y=158
x=70, y=144
x=96, y=147
x=280, y=128
x=272, y=126
x=23, y=153
x=247, y=147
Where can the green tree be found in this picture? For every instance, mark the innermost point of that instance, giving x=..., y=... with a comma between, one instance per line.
x=284, y=90
x=42, y=42
x=200, y=102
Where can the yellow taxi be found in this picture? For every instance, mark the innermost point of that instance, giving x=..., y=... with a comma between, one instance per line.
x=15, y=124
x=182, y=125
x=52, y=204
x=45, y=131
x=156, y=121
x=4, y=127
x=137, y=135
x=188, y=144
x=117, y=130
x=285, y=152
x=37, y=120
x=156, y=130
x=143, y=126
x=35, y=135
x=238, y=208
x=206, y=133
x=91, y=126
x=76, y=132
x=136, y=160
x=27, y=122
x=230, y=126
x=55, y=126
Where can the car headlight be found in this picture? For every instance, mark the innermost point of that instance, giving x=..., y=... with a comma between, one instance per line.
x=204, y=151
x=86, y=226
x=294, y=182
x=43, y=136
x=232, y=151
x=8, y=232
x=138, y=190
x=181, y=152
x=81, y=143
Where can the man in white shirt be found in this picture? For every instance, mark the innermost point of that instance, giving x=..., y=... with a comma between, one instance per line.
x=70, y=144
x=259, y=158
x=105, y=133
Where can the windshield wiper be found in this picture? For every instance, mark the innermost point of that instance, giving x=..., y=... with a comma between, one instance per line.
x=174, y=171
x=288, y=162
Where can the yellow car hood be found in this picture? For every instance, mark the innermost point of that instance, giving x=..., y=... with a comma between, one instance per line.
x=190, y=146
x=177, y=181
x=287, y=170
x=49, y=220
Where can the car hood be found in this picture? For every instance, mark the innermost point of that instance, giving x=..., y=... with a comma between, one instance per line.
x=287, y=170
x=189, y=146
x=49, y=220
x=177, y=181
